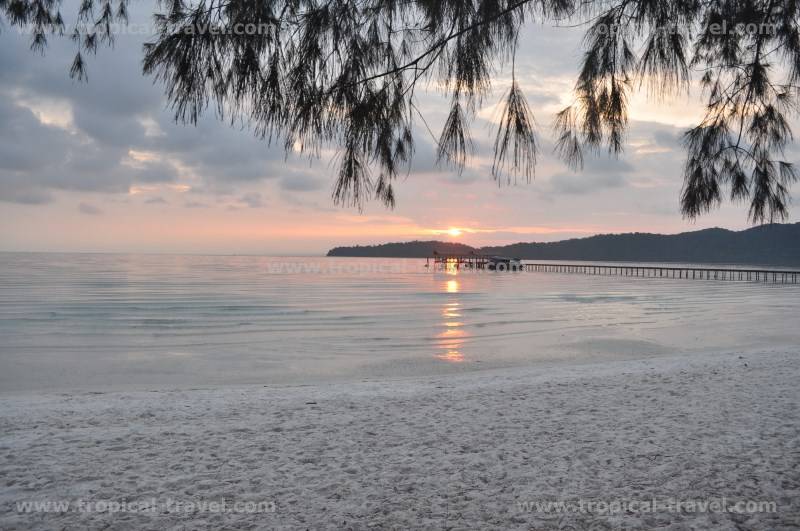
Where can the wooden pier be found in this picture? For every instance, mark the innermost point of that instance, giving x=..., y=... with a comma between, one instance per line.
x=772, y=276
x=458, y=261
x=475, y=261
x=480, y=262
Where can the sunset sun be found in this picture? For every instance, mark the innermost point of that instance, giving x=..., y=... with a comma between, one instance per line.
x=454, y=232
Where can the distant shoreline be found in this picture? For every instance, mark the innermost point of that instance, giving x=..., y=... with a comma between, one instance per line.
x=776, y=245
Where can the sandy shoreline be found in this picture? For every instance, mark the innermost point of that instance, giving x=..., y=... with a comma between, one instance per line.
x=446, y=452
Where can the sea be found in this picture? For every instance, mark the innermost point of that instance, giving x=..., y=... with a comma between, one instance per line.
x=146, y=321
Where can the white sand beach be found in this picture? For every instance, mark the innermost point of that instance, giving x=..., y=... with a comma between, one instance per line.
x=471, y=451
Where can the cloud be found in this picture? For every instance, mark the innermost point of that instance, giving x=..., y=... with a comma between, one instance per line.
x=89, y=210
x=101, y=121
x=156, y=201
x=252, y=200
x=36, y=158
x=576, y=183
x=22, y=196
x=301, y=182
x=195, y=204
x=599, y=173
x=667, y=138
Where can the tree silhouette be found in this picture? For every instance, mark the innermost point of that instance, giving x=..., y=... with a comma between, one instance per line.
x=345, y=74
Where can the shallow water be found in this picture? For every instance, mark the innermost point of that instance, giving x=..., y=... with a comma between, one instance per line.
x=86, y=321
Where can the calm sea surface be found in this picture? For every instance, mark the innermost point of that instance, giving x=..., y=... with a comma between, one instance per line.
x=88, y=321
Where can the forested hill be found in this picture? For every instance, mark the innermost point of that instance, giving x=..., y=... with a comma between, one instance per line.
x=415, y=249
x=775, y=244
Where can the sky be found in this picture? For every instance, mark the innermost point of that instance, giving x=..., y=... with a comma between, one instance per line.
x=102, y=166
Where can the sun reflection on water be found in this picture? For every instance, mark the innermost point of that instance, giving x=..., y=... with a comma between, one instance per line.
x=453, y=356
x=452, y=336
